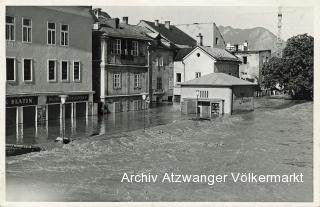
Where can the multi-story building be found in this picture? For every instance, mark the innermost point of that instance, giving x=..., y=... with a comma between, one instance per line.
x=120, y=64
x=191, y=63
x=48, y=54
x=167, y=40
x=209, y=32
x=252, y=62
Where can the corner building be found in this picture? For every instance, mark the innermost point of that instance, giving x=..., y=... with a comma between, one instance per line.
x=48, y=54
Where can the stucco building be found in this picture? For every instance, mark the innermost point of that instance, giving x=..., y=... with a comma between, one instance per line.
x=48, y=54
x=191, y=63
x=216, y=93
x=252, y=62
x=167, y=40
x=120, y=64
x=210, y=33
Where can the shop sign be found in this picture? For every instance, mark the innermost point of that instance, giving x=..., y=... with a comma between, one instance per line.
x=70, y=98
x=21, y=101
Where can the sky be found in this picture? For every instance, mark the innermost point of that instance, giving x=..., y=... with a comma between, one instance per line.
x=295, y=20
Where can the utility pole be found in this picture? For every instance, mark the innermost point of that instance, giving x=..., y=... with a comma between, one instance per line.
x=279, y=40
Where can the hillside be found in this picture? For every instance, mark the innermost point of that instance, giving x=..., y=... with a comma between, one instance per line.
x=258, y=38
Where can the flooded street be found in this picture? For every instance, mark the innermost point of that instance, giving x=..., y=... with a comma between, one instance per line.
x=276, y=138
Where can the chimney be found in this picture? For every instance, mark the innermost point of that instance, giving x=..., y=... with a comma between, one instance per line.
x=156, y=23
x=125, y=20
x=116, y=21
x=200, y=42
x=97, y=12
x=167, y=24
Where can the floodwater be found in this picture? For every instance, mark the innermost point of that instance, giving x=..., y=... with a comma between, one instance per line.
x=274, y=139
x=81, y=127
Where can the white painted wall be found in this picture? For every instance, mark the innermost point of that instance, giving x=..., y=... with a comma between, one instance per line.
x=192, y=64
x=224, y=93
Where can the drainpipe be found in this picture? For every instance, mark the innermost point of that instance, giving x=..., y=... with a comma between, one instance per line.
x=102, y=73
x=149, y=76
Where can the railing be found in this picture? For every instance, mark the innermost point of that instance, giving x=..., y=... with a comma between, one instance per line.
x=158, y=91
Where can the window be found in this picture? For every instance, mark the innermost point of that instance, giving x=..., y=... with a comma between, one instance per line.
x=160, y=61
x=26, y=30
x=10, y=28
x=51, y=33
x=116, y=46
x=116, y=80
x=64, y=35
x=198, y=74
x=178, y=77
x=76, y=71
x=170, y=83
x=64, y=70
x=217, y=39
x=135, y=48
x=11, y=69
x=27, y=70
x=159, y=83
x=52, y=70
x=137, y=81
x=244, y=59
x=204, y=94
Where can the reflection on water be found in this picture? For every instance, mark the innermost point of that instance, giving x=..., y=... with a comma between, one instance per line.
x=80, y=127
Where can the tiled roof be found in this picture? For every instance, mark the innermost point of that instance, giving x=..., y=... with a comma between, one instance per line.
x=124, y=30
x=219, y=54
x=174, y=35
x=218, y=79
x=182, y=53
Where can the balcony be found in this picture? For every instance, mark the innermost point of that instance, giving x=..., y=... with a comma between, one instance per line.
x=127, y=59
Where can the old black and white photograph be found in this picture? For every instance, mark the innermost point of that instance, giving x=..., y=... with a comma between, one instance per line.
x=148, y=102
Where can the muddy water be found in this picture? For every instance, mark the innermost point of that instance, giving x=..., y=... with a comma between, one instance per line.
x=266, y=141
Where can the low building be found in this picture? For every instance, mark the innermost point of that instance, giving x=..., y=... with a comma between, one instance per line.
x=252, y=63
x=167, y=40
x=48, y=54
x=120, y=64
x=217, y=93
x=195, y=62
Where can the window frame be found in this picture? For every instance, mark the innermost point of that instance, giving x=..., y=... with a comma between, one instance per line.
x=28, y=27
x=31, y=70
x=55, y=71
x=14, y=30
x=55, y=33
x=158, y=83
x=245, y=58
x=14, y=69
x=116, y=48
x=76, y=80
x=114, y=82
x=137, y=80
x=64, y=32
x=68, y=73
x=135, y=48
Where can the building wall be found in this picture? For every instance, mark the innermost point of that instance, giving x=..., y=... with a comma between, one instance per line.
x=243, y=98
x=164, y=72
x=40, y=52
x=252, y=69
x=231, y=68
x=224, y=93
x=209, y=31
x=194, y=63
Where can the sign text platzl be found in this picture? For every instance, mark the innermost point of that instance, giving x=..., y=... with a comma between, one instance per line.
x=71, y=98
x=21, y=101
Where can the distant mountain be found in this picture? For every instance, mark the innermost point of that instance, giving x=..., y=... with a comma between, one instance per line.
x=259, y=38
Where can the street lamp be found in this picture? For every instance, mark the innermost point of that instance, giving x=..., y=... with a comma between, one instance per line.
x=64, y=139
x=144, y=111
x=197, y=94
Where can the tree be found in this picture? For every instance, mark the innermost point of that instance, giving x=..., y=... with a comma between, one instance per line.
x=294, y=71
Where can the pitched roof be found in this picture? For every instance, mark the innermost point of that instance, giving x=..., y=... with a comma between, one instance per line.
x=174, y=35
x=218, y=79
x=219, y=54
x=182, y=53
x=124, y=30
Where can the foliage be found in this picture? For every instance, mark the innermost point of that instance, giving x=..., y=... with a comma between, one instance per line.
x=293, y=73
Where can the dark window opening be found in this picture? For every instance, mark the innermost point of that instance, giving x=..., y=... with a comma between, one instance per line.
x=178, y=77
